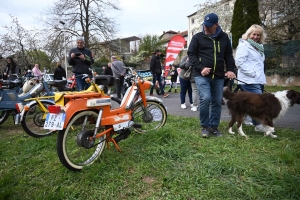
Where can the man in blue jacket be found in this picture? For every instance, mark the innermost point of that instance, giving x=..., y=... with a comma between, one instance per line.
x=209, y=52
x=81, y=60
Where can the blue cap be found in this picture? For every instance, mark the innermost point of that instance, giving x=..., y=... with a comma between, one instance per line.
x=210, y=19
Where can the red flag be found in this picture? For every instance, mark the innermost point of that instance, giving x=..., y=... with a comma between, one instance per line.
x=175, y=45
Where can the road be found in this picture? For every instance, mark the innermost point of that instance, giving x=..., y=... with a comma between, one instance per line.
x=290, y=120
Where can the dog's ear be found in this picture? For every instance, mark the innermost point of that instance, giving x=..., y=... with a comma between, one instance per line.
x=293, y=96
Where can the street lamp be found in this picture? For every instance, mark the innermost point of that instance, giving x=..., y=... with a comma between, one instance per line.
x=63, y=23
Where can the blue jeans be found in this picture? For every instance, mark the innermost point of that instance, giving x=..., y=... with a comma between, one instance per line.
x=256, y=89
x=157, y=77
x=210, y=91
x=185, y=86
x=81, y=83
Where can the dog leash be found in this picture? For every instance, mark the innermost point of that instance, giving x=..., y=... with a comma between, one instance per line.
x=239, y=81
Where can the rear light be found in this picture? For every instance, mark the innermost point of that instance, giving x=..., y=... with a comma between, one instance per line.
x=54, y=109
x=19, y=107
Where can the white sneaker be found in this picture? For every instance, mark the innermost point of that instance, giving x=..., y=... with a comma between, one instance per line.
x=194, y=108
x=260, y=128
x=183, y=106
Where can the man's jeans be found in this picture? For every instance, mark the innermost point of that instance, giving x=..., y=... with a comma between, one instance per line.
x=256, y=89
x=81, y=83
x=157, y=77
x=210, y=92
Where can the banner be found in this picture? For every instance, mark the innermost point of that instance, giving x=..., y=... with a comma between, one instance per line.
x=175, y=45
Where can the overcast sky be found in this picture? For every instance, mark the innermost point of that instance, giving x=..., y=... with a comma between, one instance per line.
x=137, y=18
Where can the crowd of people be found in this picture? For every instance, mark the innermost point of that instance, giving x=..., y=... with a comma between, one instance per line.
x=208, y=66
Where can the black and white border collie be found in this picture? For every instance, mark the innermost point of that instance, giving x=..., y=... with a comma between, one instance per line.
x=263, y=107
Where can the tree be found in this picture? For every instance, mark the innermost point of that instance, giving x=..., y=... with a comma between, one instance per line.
x=88, y=18
x=280, y=18
x=147, y=45
x=245, y=14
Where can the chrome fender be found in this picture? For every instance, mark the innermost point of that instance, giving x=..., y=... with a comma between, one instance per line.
x=151, y=98
x=31, y=103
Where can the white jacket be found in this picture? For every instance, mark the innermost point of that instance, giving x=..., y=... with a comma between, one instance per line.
x=250, y=64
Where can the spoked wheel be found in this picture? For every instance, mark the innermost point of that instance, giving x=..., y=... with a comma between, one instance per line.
x=33, y=122
x=3, y=116
x=153, y=118
x=75, y=146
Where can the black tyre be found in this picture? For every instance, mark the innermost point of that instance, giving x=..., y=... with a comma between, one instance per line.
x=33, y=122
x=3, y=116
x=74, y=148
x=153, y=118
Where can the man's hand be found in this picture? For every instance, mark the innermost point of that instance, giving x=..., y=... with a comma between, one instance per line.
x=230, y=75
x=72, y=55
x=205, y=71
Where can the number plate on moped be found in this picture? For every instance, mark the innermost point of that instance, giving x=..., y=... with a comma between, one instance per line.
x=55, y=121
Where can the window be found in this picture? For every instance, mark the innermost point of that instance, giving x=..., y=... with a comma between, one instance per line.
x=193, y=21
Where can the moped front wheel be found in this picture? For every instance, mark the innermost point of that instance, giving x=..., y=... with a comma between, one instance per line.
x=152, y=118
x=33, y=122
x=3, y=116
x=75, y=148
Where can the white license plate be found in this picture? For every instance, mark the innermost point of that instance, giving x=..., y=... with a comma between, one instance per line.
x=55, y=121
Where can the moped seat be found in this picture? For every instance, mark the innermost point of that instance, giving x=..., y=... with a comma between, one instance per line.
x=104, y=80
x=10, y=84
x=57, y=83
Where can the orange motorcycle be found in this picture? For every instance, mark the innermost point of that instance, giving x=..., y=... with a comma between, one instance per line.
x=87, y=123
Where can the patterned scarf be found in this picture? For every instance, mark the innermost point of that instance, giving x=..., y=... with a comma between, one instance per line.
x=257, y=46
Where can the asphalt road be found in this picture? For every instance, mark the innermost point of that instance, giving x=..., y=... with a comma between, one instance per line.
x=290, y=120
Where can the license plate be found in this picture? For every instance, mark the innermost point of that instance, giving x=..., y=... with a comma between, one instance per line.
x=55, y=121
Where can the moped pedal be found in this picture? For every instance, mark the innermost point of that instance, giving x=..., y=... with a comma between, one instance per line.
x=137, y=125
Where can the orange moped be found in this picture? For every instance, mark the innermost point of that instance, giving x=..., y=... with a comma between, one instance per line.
x=87, y=122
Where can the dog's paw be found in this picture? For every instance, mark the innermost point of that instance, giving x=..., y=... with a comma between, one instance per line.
x=230, y=131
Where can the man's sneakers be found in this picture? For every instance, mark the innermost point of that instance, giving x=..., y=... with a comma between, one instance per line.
x=260, y=128
x=206, y=132
x=166, y=95
x=194, y=108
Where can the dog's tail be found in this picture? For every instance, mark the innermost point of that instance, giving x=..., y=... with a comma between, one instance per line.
x=226, y=93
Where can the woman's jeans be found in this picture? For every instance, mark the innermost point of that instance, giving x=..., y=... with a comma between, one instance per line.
x=210, y=91
x=256, y=89
x=185, y=86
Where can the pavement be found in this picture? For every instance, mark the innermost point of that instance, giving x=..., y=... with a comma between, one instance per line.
x=290, y=120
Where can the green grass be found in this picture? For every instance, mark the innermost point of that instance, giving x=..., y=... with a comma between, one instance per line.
x=171, y=163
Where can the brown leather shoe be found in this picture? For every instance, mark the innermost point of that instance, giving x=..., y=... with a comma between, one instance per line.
x=166, y=95
x=151, y=95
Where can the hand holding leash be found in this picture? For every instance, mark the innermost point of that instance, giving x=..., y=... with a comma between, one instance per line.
x=230, y=75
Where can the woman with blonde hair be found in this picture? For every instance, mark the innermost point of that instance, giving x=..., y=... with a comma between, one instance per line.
x=249, y=60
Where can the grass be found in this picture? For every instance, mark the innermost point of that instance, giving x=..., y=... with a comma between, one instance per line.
x=171, y=163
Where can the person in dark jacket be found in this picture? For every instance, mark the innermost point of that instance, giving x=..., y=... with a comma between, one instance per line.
x=11, y=69
x=59, y=72
x=81, y=60
x=156, y=70
x=209, y=52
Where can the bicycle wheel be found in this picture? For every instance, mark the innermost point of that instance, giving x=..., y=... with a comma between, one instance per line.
x=154, y=118
x=3, y=116
x=33, y=123
x=73, y=147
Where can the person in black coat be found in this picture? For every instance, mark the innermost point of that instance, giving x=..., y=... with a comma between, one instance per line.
x=59, y=72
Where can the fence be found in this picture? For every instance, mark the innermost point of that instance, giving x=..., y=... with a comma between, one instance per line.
x=283, y=54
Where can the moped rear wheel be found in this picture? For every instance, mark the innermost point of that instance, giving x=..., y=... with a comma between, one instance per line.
x=153, y=118
x=3, y=116
x=74, y=148
x=33, y=122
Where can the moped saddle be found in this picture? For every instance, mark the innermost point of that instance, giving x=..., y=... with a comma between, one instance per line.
x=57, y=83
x=10, y=84
x=104, y=80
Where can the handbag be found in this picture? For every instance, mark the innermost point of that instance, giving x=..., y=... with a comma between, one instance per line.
x=187, y=74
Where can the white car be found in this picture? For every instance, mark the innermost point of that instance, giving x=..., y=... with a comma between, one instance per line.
x=48, y=77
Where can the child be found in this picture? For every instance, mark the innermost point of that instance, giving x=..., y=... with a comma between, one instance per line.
x=174, y=74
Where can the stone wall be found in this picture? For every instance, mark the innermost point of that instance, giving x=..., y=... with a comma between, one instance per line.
x=276, y=80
